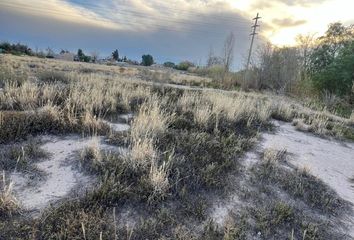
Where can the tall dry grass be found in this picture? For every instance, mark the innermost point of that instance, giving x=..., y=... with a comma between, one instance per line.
x=8, y=203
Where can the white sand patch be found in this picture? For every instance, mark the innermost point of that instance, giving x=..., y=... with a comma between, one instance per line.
x=120, y=123
x=62, y=175
x=331, y=161
x=126, y=118
x=221, y=209
x=117, y=127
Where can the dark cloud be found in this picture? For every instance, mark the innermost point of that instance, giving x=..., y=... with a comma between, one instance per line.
x=188, y=39
x=287, y=22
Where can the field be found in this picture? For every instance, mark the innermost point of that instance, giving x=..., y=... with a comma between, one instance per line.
x=90, y=151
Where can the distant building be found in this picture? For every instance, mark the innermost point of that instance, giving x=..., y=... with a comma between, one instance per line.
x=67, y=56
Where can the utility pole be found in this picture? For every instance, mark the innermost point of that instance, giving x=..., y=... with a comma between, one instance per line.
x=252, y=34
x=251, y=47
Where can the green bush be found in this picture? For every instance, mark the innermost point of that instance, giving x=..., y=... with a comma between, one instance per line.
x=337, y=77
x=169, y=65
x=184, y=66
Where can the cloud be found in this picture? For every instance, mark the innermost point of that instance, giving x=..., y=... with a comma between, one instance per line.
x=59, y=10
x=288, y=22
x=134, y=27
x=303, y=3
x=266, y=4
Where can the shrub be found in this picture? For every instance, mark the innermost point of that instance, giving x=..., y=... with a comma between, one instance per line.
x=169, y=65
x=53, y=77
x=184, y=66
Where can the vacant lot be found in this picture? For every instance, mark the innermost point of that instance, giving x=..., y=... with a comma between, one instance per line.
x=102, y=152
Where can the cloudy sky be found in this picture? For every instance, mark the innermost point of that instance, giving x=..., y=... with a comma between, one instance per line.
x=172, y=30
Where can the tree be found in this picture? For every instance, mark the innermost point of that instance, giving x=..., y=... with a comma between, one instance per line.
x=328, y=46
x=86, y=59
x=95, y=55
x=279, y=67
x=305, y=44
x=115, y=55
x=228, y=51
x=212, y=59
x=80, y=55
x=337, y=77
x=147, y=60
x=331, y=61
x=50, y=53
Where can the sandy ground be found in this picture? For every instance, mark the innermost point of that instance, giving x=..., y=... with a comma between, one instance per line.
x=330, y=160
x=62, y=175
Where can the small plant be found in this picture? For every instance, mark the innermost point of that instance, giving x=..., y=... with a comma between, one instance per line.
x=273, y=155
x=91, y=156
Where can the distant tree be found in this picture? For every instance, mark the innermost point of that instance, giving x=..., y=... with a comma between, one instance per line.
x=86, y=58
x=80, y=55
x=95, y=56
x=115, y=55
x=50, y=53
x=213, y=60
x=147, y=60
x=228, y=51
x=279, y=68
x=6, y=47
x=64, y=51
x=125, y=59
x=305, y=44
x=169, y=65
x=16, y=49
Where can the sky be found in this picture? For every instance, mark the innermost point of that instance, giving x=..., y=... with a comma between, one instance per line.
x=170, y=30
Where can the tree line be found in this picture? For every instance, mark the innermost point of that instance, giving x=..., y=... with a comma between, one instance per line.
x=317, y=65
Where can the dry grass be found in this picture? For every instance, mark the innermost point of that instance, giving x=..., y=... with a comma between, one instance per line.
x=92, y=153
x=152, y=120
x=207, y=132
x=8, y=203
x=158, y=178
x=142, y=153
x=274, y=155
